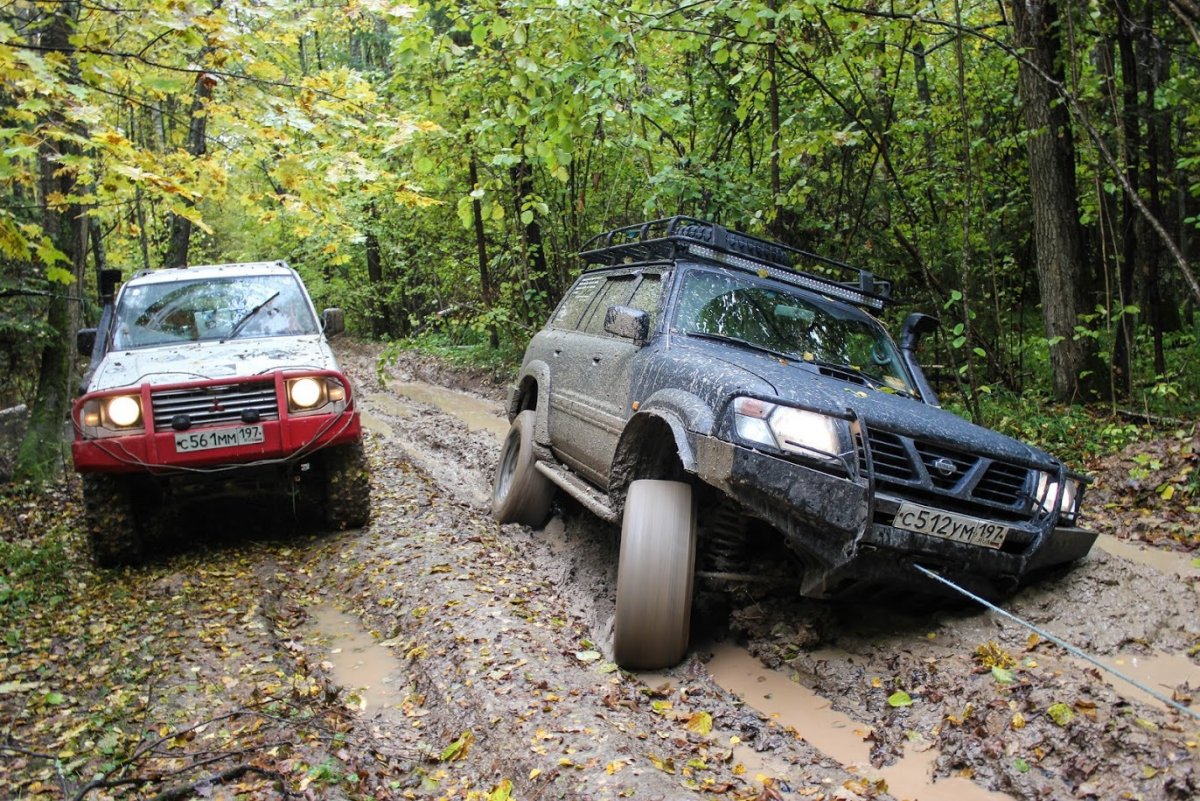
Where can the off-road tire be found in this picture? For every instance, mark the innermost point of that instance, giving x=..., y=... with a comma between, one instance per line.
x=655, y=575
x=520, y=494
x=114, y=532
x=347, y=487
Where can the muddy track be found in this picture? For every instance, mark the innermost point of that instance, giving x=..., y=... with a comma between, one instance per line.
x=1041, y=724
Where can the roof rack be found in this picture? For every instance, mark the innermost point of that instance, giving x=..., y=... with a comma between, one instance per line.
x=675, y=237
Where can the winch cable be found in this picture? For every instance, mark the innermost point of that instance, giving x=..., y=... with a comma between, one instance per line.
x=1045, y=635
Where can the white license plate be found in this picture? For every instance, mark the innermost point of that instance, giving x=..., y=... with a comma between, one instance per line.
x=218, y=438
x=950, y=526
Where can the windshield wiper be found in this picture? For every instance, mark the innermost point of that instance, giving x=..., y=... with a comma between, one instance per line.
x=744, y=343
x=233, y=332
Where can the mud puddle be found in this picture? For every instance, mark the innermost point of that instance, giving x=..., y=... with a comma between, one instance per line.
x=814, y=720
x=371, y=677
x=1160, y=672
x=1164, y=561
x=477, y=413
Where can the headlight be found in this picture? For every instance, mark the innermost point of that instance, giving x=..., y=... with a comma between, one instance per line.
x=1049, y=489
x=316, y=394
x=305, y=393
x=123, y=411
x=111, y=416
x=786, y=428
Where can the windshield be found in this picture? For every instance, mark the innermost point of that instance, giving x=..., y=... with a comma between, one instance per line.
x=784, y=320
x=214, y=308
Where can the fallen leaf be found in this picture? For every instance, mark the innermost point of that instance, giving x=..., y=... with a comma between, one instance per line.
x=700, y=723
x=1060, y=714
x=900, y=698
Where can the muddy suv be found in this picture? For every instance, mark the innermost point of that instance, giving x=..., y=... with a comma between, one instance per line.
x=211, y=381
x=699, y=379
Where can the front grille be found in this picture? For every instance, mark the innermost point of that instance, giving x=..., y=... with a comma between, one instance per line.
x=948, y=478
x=213, y=405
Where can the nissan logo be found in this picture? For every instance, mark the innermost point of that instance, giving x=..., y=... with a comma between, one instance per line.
x=944, y=466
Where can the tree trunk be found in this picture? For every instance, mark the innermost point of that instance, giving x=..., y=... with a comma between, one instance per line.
x=485, y=278
x=1131, y=148
x=379, y=308
x=197, y=145
x=39, y=456
x=1058, y=239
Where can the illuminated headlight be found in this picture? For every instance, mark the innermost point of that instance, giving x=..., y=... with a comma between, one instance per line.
x=315, y=393
x=786, y=428
x=111, y=416
x=305, y=393
x=1049, y=489
x=123, y=411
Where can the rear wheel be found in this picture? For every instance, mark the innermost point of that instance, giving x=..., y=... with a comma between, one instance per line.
x=654, y=578
x=520, y=494
x=114, y=532
x=347, y=487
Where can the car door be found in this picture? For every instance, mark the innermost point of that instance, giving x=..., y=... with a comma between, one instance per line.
x=588, y=411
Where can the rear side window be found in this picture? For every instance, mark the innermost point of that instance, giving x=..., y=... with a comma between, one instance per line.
x=617, y=290
x=576, y=301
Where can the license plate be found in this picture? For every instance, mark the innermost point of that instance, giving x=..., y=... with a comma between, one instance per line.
x=218, y=438
x=950, y=526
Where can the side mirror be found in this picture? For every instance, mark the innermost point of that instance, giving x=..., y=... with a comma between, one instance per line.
x=916, y=327
x=627, y=323
x=85, y=341
x=333, y=322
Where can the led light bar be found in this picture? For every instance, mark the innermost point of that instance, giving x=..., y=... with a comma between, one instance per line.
x=833, y=289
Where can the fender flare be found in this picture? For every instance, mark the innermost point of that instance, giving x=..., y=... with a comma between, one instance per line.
x=537, y=372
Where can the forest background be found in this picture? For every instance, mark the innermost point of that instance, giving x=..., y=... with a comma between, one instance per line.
x=1025, y=169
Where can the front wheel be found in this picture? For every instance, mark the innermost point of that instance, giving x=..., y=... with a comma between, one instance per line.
x=114, y=531
x=347, y=487
x=654, y=577
x=520, y=494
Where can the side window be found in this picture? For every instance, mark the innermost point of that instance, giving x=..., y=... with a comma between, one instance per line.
x=576, y=302
x=616, y=291
x=645, y=297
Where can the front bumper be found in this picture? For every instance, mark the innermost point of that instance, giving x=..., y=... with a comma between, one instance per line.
x=832, y=523
x=283, y=440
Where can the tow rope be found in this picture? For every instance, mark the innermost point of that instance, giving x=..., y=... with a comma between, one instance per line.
x=1061, y=643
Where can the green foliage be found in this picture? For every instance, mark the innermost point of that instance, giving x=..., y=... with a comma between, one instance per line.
x=365, y=141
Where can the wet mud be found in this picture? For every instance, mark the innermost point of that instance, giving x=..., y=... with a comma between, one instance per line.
x=780, y=697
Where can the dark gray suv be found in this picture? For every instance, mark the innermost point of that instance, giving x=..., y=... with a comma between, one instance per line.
x=697, y=379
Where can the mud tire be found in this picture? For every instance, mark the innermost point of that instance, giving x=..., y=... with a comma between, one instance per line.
x=347, y=487
x=520, y=494
x=114, y=532
x=655, y=575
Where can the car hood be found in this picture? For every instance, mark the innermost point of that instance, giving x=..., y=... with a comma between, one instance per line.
x=802, y=384
x=194, y=361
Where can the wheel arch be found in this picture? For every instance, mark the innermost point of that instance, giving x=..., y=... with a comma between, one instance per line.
x=532, y=392
x=653, y=445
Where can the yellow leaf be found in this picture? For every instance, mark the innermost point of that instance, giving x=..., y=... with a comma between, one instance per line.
x=615, y=766
x=700, y=723
x=533, y=774
x=1018, y=721
x=665, y=765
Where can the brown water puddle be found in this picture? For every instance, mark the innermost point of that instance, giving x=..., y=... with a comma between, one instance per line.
x=371, y=676
x=1160, y=672
x=1164, y=561
x=760, y=766
x=813, y=719
x=477, y=413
